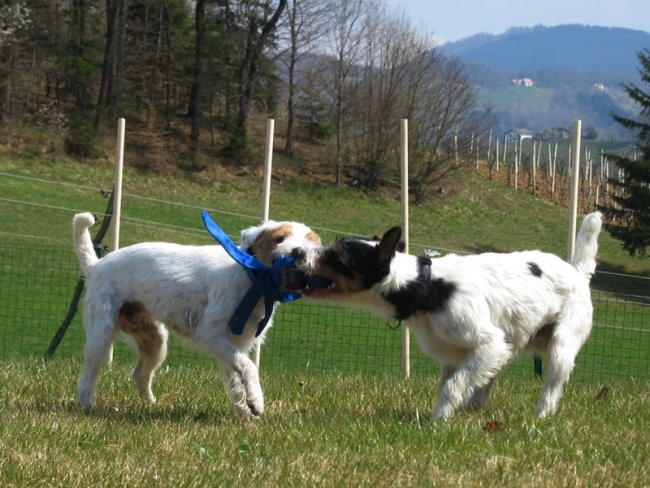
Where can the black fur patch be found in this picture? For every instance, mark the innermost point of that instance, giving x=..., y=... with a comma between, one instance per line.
x=534, y=269
x=356, y=261
x=425, y=293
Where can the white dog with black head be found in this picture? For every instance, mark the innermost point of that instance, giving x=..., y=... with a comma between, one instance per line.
x=474, y=313
x=144, y=289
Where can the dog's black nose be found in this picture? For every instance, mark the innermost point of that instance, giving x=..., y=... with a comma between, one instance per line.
x=298, y=253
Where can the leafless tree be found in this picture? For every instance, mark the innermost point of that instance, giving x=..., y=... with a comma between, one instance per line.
x=395, y=68
x=385, y=69
x=194, y=107
x=260, y=20
x=14, y=17
x=112, y=52
x=306, y=23
x=344, y=41
x=444, y=110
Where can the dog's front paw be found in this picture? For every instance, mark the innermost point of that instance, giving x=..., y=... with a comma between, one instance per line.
x=247, y=412
x=443, y=412
x=256, y=408
x=86, y=397
x=252, y=408
x=255, y=399
x=544, y=410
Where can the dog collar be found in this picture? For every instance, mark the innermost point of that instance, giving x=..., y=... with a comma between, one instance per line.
x=275, y=283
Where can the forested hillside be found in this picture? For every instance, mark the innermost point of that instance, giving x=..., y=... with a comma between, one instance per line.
x=337, y=75
x=189, y=77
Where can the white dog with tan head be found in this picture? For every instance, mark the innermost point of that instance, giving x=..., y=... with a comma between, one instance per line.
x=145, y=289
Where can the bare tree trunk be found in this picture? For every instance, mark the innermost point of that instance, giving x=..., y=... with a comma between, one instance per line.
x=536, y=148
x=168, y=67
x=293, y=58
x=194, y=108
x=248, y=70
x=5, y=84
x=103, y=100
x=347, y=21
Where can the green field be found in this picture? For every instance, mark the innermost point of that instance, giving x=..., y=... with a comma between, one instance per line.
x=338, y=411
x=318, y=430
x=512, y=98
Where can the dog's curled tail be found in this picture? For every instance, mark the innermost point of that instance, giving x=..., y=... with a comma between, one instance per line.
x=584, y=256
x=83, y=244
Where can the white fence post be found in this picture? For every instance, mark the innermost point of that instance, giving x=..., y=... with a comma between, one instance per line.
x=117, y=197
x=266, y=199
x=573, y=196
x=406, y=338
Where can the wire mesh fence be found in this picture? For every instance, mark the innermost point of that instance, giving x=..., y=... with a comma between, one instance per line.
x=38, y=284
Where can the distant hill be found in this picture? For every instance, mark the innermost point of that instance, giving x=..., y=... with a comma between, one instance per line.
x=579, y=69
x=570, y=47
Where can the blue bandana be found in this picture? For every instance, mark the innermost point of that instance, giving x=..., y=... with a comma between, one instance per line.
x=276, y=284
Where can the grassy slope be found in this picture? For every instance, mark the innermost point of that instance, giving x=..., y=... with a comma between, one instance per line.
x=473, y=214
x=512, y=98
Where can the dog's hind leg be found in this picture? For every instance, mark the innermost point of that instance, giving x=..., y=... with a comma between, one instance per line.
x=561, y=359
x=446, y=370
x=100, y=325
x=151, y=340
x=568, y=337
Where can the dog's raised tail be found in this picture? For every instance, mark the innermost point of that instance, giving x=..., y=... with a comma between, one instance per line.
x=584, y=256
x=83, y=244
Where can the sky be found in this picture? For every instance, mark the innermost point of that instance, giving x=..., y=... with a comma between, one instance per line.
x=451, y=20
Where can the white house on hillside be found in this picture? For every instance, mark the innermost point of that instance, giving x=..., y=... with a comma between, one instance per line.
x=527, y=82
x=518, y=135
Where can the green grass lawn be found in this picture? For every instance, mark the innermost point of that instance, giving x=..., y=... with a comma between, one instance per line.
x=319, y=429
x=338, y=412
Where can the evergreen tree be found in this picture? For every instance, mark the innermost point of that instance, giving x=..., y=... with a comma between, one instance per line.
x=629, y=215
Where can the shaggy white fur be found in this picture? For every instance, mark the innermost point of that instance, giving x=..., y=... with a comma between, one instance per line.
x=144, y=289
x=472, y=313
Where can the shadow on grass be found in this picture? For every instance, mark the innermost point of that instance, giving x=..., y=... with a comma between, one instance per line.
x=129, y=412
x=616, y=279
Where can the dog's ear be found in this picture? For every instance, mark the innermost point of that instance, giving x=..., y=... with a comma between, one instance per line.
x=249, y=236
x=389, y=243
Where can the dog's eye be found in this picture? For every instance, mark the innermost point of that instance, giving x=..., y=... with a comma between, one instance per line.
x=279, y=240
